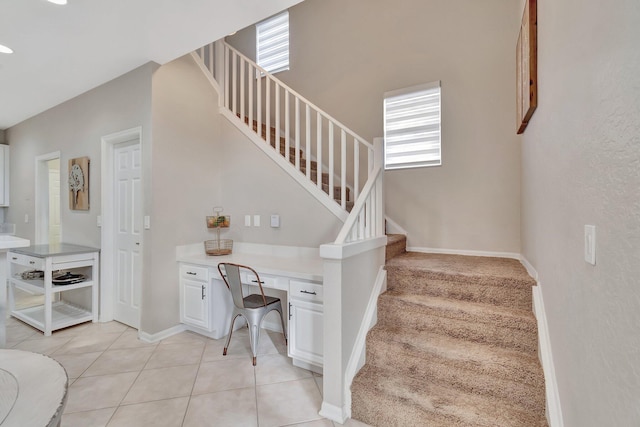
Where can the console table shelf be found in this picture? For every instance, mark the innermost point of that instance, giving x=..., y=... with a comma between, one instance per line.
x=55, y=313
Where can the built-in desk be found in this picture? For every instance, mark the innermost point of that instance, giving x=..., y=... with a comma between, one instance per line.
x=292, y=273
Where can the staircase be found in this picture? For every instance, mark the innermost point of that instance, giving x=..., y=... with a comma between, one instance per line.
x=456, y=342
x=299, y=155
x=328, y=159
x=455, y=345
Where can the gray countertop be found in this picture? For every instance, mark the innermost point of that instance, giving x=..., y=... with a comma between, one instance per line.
x=42, y=251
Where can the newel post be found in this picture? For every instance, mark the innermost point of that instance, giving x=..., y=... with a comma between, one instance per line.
x=378, y=160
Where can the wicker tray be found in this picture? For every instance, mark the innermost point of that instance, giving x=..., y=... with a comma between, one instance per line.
x=218, y=247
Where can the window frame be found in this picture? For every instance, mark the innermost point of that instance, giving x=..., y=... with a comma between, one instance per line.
x=270, y=24
x=406, y=95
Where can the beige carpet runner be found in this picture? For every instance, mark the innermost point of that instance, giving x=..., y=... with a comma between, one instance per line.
x=455, y=345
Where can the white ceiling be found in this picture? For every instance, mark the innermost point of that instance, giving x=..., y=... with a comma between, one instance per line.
x=63, y=51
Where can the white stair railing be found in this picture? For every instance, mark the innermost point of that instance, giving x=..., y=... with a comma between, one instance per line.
x=317, y=145
x=366, y=219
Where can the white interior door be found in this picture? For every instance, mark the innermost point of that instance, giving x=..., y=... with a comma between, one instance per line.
x=128, y=232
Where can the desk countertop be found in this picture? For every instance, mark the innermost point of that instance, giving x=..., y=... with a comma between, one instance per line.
x=295, y=264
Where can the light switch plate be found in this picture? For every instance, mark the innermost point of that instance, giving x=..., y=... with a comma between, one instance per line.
x=590, y=244
x=99, y=221
x=247, y=220
x=256, y=220
x=147, y=222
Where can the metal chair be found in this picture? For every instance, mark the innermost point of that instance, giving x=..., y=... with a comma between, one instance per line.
x=253, y=307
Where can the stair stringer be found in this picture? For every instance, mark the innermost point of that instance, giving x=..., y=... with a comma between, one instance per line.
x=326, y=200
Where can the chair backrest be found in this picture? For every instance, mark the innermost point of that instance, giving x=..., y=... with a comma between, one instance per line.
x=231, y=277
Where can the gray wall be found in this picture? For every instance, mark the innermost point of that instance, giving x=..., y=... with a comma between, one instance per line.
x=346, y=54
x=193, y=160
x=185, y=179
x=581, y=165
x=201, y=161
x=74, y=128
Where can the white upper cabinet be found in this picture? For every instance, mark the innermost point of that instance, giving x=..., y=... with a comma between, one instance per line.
x=4, y=175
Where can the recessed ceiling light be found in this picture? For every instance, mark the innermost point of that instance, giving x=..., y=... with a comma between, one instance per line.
x=4, y=49
x=58, y=1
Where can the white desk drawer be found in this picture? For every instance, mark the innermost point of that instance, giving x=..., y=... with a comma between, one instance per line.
x=194, y=272
x=305, y=291
x=267, y=281
x=27, y=261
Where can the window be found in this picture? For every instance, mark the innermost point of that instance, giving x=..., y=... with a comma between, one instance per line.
x=272, y=43
x=412, y=127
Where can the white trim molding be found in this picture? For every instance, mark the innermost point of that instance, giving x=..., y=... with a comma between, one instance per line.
x=153, y=338
x=107, y=279
x=554, y=410
x=358, y=355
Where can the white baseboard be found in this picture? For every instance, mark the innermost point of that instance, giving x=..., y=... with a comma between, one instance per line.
x=357, y=358
x=394, y=228
x=532, y=271
x=333, y=413
x=464, y=252
x=554, y=410
x=151, y=338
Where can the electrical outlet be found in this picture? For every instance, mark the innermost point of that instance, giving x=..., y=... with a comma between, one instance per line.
x=275, y=221
x=590, y=244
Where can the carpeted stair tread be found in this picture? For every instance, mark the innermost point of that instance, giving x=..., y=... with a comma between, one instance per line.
x=459, y=287
x=499, y=271
x=460, y=365
x=412, y=271
x=386, y=399
x=396, y=245
x=483, y=358
x=460, y=320
x=455, y=345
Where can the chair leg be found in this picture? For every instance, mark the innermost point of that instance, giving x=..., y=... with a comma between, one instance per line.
x=255, y=337
x=224, y=352
x=284, y=328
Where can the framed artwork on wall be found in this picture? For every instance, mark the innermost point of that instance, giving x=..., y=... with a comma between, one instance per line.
x=527, y=66
x=79, y=184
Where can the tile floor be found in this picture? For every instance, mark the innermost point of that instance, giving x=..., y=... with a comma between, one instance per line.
x=115, y=380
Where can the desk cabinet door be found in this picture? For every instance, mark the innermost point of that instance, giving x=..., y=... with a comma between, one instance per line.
x=194, y=308
x=306, y=331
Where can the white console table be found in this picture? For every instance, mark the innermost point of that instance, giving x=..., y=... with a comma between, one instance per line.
x=292, y=273
x=53, y=315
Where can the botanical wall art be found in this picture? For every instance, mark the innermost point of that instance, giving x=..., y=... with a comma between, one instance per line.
x=527, y=66
x=79, y=184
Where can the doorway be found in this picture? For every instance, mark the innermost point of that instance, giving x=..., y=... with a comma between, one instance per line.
x=122, y=231
x=47, y=204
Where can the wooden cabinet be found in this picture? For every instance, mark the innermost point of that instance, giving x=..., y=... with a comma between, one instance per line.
x=4, y=175
x=31, y=270
x=306, y=323
x=205, y=301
